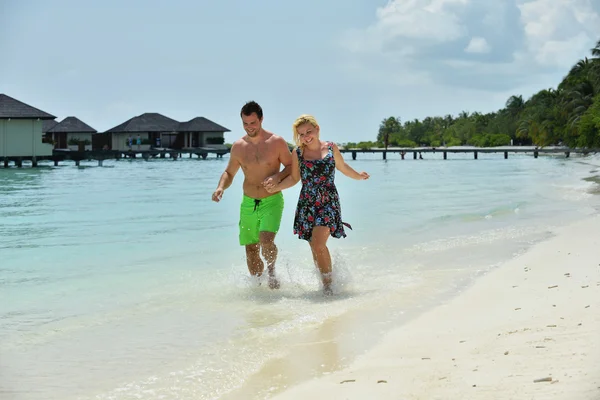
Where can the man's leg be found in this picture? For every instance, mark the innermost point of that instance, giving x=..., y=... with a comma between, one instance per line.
x=271, y=211
x=269, y=252
x=255, y=264
x=249, y=236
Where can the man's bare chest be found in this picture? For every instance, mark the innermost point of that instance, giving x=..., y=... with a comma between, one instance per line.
x=259, y=154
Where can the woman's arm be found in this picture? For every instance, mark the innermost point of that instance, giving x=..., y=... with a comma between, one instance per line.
x=292, y=178
x=344, y=168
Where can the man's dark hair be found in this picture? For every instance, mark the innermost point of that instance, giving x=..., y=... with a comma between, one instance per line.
x=252, y=107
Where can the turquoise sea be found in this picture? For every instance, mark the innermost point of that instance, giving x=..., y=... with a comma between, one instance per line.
x=126, y=282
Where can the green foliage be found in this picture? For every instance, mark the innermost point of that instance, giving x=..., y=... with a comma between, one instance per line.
x=490, y=140
x=569, y=114
x=498, y=139
x=389, y=127
x=361, y=145
x=366, y=145
x=589, y=126
x=215, y=140
x=403, y=143
x=76, y=141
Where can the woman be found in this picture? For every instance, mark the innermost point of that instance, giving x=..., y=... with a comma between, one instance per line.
x=318, y=214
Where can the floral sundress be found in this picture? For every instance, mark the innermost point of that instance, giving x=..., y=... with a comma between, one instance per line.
x=319, y=201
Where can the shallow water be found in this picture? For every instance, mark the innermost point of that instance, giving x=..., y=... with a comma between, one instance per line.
x=125, y=281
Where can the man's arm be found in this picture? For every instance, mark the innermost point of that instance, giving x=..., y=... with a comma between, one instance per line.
x=227, y=177
x=291, y=179
x=285, y=158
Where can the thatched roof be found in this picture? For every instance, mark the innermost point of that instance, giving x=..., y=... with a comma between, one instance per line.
x=12, y=108
x=147, y=122
x=72, y=125
x=48, y=124
x=201, y=124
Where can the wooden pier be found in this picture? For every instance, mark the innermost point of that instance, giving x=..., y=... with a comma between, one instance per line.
x=101, y=155
x=505, y=150
x=203, y=153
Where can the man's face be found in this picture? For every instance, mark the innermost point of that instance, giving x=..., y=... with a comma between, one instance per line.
x=252, y=124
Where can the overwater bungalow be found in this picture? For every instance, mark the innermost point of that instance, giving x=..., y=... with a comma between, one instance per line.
x=48, y=124
x=21, y=129
x=158, y=131
x=71, y=133
x=201, y=132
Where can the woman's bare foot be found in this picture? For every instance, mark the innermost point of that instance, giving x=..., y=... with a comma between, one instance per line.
x=273, y=282
x=327, y=284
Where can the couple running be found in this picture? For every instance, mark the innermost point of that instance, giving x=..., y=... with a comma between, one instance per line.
x=318, y=215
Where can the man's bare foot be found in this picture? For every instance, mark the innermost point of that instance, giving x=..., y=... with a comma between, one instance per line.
x=327, y=291
x=273, y=282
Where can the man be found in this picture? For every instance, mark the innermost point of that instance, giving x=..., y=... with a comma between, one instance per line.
x=259, y=153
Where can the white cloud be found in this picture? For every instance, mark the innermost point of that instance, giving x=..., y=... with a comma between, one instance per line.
x=478, y=45
x=557, y=32
x=563, y=53
x=421, y=19
x=429, y=21
x=516, y=41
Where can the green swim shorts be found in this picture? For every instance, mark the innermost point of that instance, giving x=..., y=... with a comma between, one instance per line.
x=259, y=215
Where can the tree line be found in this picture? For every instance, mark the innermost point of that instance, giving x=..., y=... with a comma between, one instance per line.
x=568, y=115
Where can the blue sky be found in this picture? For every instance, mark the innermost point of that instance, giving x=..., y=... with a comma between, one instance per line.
x=349, y=63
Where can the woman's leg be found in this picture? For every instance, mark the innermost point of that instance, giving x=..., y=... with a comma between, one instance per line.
x=318, y=245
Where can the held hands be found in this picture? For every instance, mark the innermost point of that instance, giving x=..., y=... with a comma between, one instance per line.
x=216, y=197
x=270, y=184
x=273, y=189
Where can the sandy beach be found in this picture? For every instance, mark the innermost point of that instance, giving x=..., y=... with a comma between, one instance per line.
x=527, y=330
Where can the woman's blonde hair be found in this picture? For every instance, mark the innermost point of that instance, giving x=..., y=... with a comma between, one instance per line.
x=301, y=120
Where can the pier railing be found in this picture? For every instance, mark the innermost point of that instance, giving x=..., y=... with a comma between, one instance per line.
x=203, y=153
x=101, y=155
x=535, y=151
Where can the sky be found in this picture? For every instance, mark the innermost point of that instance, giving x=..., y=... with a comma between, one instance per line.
x=349, y=63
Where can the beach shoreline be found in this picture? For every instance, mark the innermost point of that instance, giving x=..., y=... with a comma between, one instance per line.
x=533, y=318
x=181, y=291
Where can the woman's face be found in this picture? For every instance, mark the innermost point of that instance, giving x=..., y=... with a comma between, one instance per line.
x=307, y=133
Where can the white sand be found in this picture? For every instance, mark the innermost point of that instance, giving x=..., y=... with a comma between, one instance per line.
x=492, y=341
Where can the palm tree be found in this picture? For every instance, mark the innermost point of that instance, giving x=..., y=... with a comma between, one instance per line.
x=525, y=126
x=581, y=66
x=586, y=70
x=515, y=104
x=596, y=50
x=448, y=120
x=578, y=101
x=388, y=126
x=594, y=70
